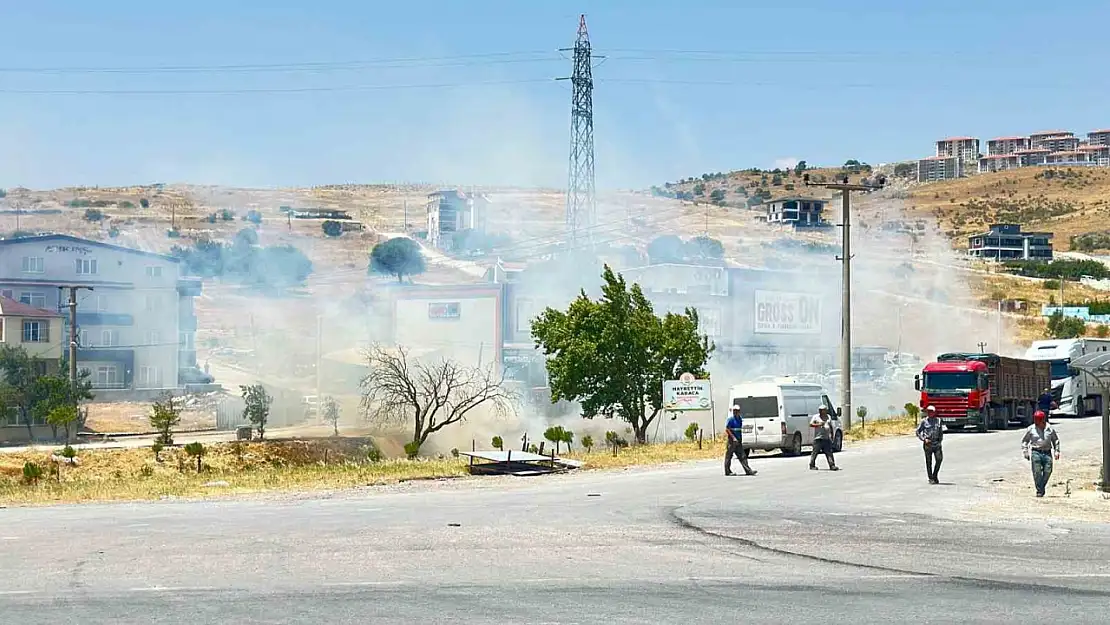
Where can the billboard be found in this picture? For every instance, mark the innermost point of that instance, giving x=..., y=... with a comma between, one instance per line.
x=681, y=395
x=779, y=312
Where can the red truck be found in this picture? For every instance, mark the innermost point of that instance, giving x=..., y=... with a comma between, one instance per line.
x=986, y=391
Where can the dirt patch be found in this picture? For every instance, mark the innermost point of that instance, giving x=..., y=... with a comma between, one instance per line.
x=1072, y=493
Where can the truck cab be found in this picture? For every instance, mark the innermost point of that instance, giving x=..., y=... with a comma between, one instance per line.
x=958, y=389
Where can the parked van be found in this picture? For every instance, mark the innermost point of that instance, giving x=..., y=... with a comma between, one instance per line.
x=776, y=414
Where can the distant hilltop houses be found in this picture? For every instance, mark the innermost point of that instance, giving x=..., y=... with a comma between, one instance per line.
x=957, y=157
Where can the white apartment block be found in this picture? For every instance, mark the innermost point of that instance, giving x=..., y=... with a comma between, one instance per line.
x=135, y=318
x=935, y=168
x=999, y=162
x=1006, y=145
x=1098, y=137
x=963, y=148
x=1054, y=141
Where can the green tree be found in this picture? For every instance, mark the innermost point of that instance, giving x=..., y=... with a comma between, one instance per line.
x=555, y=434
x=165, y=415
x=912, y=410
x=706, y=247
x=668, y=248
x=1061, y=327
x=612, y=355
x=568, y=439
x=92, y=214
x=62, y=416
x=400, y=256
x=332, y=228
x=427, y=395
x=692, y=429
x=800, y=168
x=196, y=450
x=257, y=408
x=699, y=189
x=330, y=413
x=588, y=443
x=498, y=443
x=717, y=197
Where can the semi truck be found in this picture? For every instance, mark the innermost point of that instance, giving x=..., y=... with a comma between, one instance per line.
x=984, y=391
x=1077, y=394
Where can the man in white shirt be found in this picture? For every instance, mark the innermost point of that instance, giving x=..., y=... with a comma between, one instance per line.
x=1040, y=446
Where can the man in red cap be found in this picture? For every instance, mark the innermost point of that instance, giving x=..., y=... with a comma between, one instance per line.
x=931, y=434
x=1041, y=445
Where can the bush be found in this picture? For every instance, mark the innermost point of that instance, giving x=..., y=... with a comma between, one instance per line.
x=332, y=228
x=1051, y=285
x=69, y=452
x=699, y=189
x=588, y=443
x=93, y=214
x=32, y=472
x=144, y=203
x=717, y=197
x=498, y=443
x=113, y=232
x=1102, y=331
x=373, y=454
x=196, y=449
x=691, y=432
x=412, y=450
x=227, y=215
x=1061, y=327
x=912, y=410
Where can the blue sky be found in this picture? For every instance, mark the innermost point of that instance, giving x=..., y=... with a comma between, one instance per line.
x=813, y=80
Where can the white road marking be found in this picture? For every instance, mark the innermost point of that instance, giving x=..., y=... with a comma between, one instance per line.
x=9, y=537
x=137, y=525
x=171, y=589
x=15, y=592
x=370, y=583
x=1075, y=575
x=897, y=576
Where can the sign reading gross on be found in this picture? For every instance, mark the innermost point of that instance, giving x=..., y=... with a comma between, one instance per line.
x=681, y=395
x=778, y=312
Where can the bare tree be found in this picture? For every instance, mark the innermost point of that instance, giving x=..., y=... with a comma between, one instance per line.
x=429, y=395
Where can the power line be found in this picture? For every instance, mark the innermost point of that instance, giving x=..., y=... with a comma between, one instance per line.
x=270, y=90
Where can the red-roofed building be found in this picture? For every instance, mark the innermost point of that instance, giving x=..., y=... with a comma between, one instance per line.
x=999, y=162
x=934, y=168
x=1032, y=156
x=963, y=148
x=1054, y=141
x=1006, y=145
x=37, y=331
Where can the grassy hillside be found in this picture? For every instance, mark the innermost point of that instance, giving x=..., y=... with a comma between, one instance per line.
x=1067, y=201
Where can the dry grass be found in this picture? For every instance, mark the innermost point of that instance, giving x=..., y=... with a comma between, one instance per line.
x=660, y=453
x=900, y=426
x=1066, y=206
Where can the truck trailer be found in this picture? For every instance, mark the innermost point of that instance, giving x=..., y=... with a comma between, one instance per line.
x=985, y=391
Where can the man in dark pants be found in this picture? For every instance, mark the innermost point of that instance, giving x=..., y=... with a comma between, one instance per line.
x=734, y=443
x=822, y=439
x=931, y=434
x=1045, y=403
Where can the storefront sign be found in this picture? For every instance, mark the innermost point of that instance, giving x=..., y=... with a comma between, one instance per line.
x=778, y=312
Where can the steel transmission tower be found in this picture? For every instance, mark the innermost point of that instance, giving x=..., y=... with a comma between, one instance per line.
x=581, y=202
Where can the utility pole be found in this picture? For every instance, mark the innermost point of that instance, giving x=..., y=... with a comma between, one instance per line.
x=845, y=259
x=319, y=361
x=982, y=347
x=72, y=334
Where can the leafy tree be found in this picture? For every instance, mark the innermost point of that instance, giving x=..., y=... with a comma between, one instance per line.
x=498, y=443
x=144, y=203
x=905, y=170
x=332, y=228
x=157, y=448
x=776, y=181
x=93, y=214
x=126, y=204
x=1061, y=327
x=31, y=394
x=699, y=189
x=32, y=472
x=227, y=215
x=257, y=409
x=427, y=395
x=668, y=248
x=165, y=415
x=330, y=413
x=912, y=410
x=613, y=354
x=400, y=256
x=588, y=443
x=692, y=429
x=717, y=197
x=800, y=168
x=555, y=434
x=1102, y=331
x=62, y=416
x=706, y=247
x=196, y=450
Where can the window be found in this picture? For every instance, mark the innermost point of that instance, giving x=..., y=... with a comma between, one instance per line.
x=150, y=377
x=83, y=339
x=103, y=302
x=153, y=303
x=185, y=340
x=33, y=298
x=36, y=332
x=7, y=293
x=32, y=264
x=86, y=266
x=443, y=310
x=109, y=338
x=153, y=337
x=106, y=376
x=154, y=272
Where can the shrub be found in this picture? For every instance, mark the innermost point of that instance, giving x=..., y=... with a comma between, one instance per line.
x=32, y=472
x=157, y=448
x=146, y=471
x=588, y=443
x=69, y=452
x=93, y=214
x=373, y=454
x=912, y=409
x=1102, y=331
x=227, y=215
x=332, y=228
x=144, y=203
x=196, y=449
x=412, y=449
x=498, y=443
x=691, y=432
x=1051, y=285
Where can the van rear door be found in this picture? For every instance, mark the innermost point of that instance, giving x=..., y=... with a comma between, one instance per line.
x=762, y=422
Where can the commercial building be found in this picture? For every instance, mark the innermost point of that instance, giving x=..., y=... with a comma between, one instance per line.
x=135, y=319
x=963, y=148
x=800, y=212
x=1006, y=145
x=936, y=168
x=1008, y=242
x=1054, y=140
x=451, y=211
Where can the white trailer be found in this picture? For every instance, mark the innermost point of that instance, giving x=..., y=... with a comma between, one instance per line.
x=1076, y=393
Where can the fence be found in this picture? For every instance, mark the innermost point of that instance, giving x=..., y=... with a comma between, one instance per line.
x=288, y=409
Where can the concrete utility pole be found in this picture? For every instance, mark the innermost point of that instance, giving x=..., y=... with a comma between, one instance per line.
x=1098, y=367
x=319, y=362
x=72, y=333
x=845, y=259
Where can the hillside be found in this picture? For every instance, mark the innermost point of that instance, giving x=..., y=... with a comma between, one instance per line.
x=1067, y=201
x=748, y=187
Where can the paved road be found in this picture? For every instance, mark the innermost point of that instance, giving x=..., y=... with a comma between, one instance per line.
x=873, y=543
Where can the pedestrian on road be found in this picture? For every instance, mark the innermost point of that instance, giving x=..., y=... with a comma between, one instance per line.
x=931, y=433
x=822, y=439
x=1040, y=446
x=734, y=445
x=1045, y=403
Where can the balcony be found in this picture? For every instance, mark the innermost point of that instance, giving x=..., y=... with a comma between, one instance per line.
x=189, y=287
x=104, y=319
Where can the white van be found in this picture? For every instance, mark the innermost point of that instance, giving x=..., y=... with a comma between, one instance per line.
x=776, y=414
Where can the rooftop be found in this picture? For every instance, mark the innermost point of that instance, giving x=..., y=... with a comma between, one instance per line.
x=72, y=239
x=10, y=307
x=797, y=198
x=1009, y=138
x=1052, y=133
x=937, y=158
x=1033, y=151
x=998, y=156
x=958, y=139
x=1099, y=132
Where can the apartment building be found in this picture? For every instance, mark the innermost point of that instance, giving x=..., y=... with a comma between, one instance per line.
x=999, y=162
x=1072, y=158
x=800, y=212
x=1097, y=154
x=39, y=332
x=1006, y=145
x=1008, y=242
x=1033, y=156
x=964, y=148
x=451, y=211
x=935, y=168
x=1098, y=137
x=1054, y=141
x=135, y=319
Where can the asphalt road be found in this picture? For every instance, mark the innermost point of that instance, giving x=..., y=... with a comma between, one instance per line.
x=872, y=543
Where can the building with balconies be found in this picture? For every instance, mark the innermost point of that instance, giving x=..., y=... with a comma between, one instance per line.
x=963, y=148
x=1008, y=242
x=1099, y=137
x=1054, y=141
x=999, y=162
x=135, y=319
x=936, y=168
x=799, y=212
x=1006, y=145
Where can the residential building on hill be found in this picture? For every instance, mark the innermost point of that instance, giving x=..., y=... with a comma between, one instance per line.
x=936, y=168
x=800, y=212
x=39, y=332
x=1054, y=140
x=1006, y=145
x=963, y=148
x=1098, y=137
x=999, y=162
x=1008, y=242
x=135, y=319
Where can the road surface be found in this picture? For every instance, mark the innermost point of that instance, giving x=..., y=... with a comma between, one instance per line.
x=683, y=544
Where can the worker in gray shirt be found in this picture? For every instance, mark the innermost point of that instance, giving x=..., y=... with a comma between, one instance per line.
x=1040, y=446
x=822, y=439
x=931, y=434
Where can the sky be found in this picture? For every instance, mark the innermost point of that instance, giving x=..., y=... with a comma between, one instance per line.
x=289, y=93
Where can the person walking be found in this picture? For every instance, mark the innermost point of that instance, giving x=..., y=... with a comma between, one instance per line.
x=1040, y=445
x=931, y=434
x=734, y=443
x=822, y=439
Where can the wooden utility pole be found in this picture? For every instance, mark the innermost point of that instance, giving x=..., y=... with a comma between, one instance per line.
x=72, y=334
